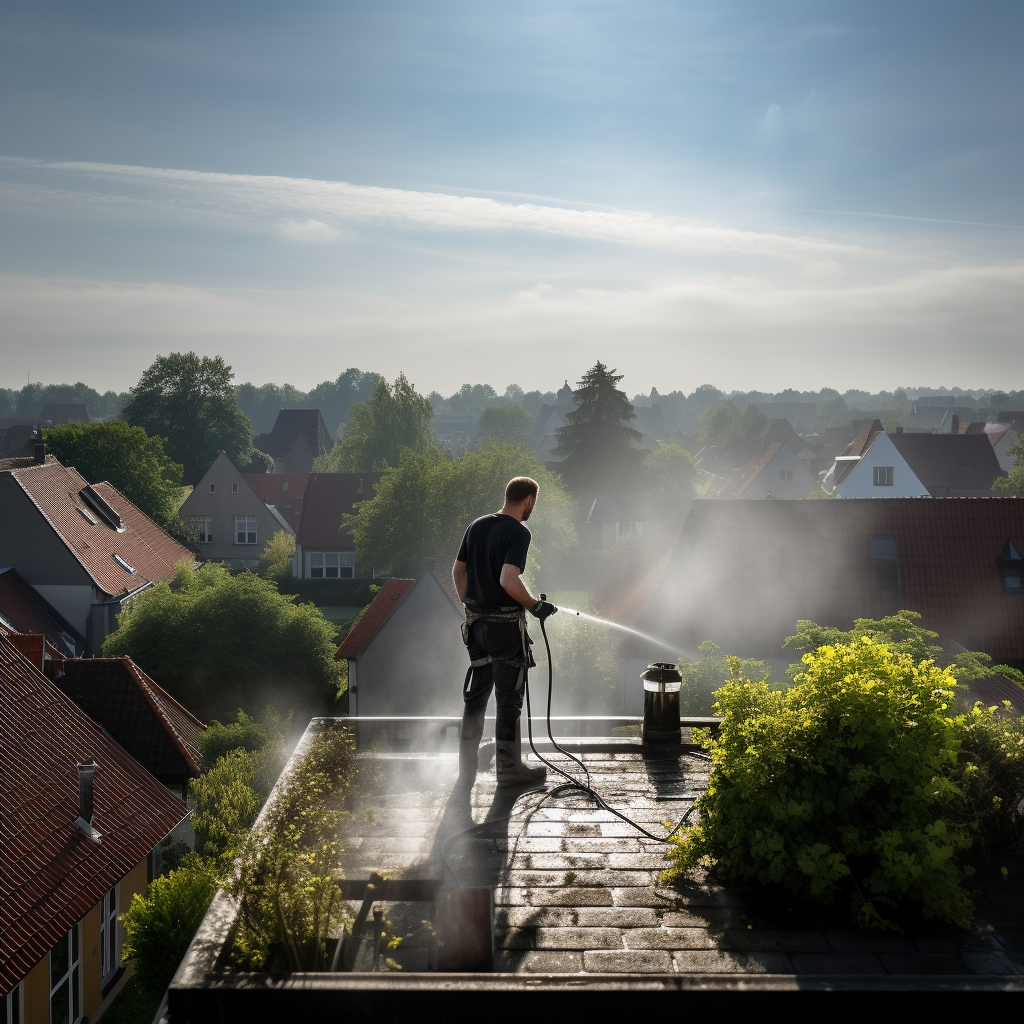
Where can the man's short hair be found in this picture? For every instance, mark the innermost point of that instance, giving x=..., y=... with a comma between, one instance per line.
x=520, y=488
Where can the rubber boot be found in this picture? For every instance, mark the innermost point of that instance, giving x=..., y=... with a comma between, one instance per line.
x=469, y=743
x=509, y=763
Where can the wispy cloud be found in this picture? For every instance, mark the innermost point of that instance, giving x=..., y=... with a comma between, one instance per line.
x=336, y=203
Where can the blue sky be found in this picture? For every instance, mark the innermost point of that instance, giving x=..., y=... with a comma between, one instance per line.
x=753, y=194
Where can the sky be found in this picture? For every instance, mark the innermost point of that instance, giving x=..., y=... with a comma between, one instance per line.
x=757, y=195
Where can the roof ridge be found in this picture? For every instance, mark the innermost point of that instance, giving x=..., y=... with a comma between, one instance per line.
x=144, y=682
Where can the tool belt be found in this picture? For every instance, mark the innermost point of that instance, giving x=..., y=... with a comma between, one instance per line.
x=508, y=613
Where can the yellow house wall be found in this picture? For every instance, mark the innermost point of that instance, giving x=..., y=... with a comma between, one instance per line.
x=89, y=937
x=35, y=991
x=36, y=985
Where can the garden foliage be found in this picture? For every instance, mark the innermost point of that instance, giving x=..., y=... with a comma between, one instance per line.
x=219, y=641
x=288, y=899
x=703, y=676
x=159, y=926
x=852, y=785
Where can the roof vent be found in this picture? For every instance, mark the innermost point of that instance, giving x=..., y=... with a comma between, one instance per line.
x=101, y=508
x=86, y=774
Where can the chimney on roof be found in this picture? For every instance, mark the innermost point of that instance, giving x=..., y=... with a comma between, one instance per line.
x=954, y=424
x=86, y=774
x=38, y=447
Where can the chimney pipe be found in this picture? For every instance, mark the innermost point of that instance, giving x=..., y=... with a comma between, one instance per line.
x=954, y=425
x=39, y=448
x=86, y=774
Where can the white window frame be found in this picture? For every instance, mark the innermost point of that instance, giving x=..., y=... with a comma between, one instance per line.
x=14, y=1006
x=71, y=979
x=201, y=528
x=110, y=938
x=249, y=534
x=332, y=565
x=883, y=476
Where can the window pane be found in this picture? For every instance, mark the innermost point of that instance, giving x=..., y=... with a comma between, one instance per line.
x=59, y=960
x=76, y=1008
x=59, y=1006
x=347, y=572
x=332, y=571
x=316, y=573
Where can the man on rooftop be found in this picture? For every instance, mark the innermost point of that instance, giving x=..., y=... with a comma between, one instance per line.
x=488, y=578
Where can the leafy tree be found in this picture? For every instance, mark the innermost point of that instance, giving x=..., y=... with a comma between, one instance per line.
x=753, y=421
x=842, y=787
x=128, y=458
x=903, y=634
x=159, y=925
x=597, y=445
x=703, y=676
x=670, y=474
x=1013, y=485
x=832, y=408
x=422, y=508
x=189, y=401
x=720, y=422
x=244, y=732
x=392, y=418
x=505, y=424
x=218, y=642
x=276, y=557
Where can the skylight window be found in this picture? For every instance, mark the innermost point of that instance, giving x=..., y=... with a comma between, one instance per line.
x=1011, y=570
x=124, y=565
x=87, y=516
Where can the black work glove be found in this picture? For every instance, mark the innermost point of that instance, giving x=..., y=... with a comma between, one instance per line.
x=542, y=609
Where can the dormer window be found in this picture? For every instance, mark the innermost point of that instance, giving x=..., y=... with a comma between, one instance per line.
x=1011, y=569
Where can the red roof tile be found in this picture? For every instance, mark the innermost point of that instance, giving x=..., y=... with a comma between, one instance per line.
x=741, y=573
x=329, y=496
x=56, y=491
x=285, y=491
x=51, y=872
x=377, y=613
x=144, y=718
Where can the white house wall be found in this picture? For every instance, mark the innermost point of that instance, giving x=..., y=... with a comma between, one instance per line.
x=860, y=483
x=785, y=460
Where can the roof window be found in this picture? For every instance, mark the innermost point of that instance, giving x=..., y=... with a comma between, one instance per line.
x=124, y=565
x=1011, y=570
x=883, y=548
x=101, y=508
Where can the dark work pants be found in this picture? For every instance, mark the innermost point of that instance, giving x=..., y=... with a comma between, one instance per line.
x=505, y=674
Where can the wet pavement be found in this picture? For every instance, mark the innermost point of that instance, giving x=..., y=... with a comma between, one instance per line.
x=577, y=890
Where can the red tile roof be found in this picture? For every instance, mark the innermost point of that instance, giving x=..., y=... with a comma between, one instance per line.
x=329, y=496
x=24, y=611
x=56, y=491
x=379, y=610
x=51, y=872
x=741, y=573
x=285, y=491
x=144, y=718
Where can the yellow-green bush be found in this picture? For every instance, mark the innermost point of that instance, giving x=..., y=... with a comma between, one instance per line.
x=847, y=786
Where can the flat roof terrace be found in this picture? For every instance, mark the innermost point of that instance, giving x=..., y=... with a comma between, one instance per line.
x=578, y=905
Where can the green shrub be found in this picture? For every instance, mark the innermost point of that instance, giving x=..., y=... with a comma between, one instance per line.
x=287, y=897
x=244, y=732
x=219, y=641
x=841, y=787
x=701, y=678
x=159, y=926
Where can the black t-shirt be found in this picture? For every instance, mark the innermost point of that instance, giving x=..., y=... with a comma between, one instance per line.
x=491, y=542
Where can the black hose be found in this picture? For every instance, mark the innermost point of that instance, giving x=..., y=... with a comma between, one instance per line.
x=571, y=782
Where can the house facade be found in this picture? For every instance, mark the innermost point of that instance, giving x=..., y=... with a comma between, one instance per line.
x=406, y=655
x=323, y=550
x=882, y=472
x=85, y=549
x=779, y=473
x=81, y=819
x=227, y=519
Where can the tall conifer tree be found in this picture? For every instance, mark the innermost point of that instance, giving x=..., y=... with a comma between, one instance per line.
x=597, y=444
